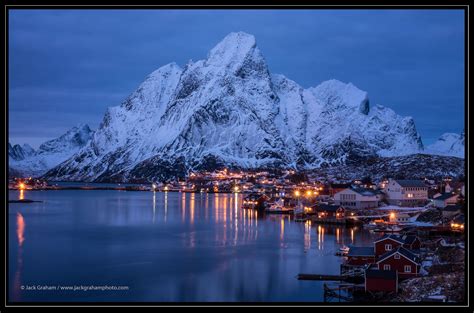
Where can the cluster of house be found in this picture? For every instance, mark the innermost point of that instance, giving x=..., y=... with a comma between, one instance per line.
x=390, y=259
x=403, y=193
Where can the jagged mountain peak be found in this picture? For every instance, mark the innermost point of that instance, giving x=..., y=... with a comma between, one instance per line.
x=76, y=136
x=234, y=47
x=20, y=152
x=164, y=70
x=229, y=110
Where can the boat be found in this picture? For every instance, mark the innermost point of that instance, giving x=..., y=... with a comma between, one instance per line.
x=388, y=229
x=344, y=248
x=375, y=224
x=299, y=214
x=343, y=251
x=279, y=208
x=276, y=209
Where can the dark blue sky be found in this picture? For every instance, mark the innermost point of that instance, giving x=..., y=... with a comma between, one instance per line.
x=67, y=66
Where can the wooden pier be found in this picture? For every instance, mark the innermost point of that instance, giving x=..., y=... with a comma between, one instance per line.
x=321, y=277
x=353, y=277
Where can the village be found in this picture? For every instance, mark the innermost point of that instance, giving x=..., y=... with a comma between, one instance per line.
x=418, y=256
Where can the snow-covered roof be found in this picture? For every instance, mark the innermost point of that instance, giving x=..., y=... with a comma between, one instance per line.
x=410, y=183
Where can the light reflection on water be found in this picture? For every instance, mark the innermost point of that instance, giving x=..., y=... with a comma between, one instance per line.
x=20, y=231
x=168, y=246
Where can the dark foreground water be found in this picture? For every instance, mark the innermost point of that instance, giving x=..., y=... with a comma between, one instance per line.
x=160, y=247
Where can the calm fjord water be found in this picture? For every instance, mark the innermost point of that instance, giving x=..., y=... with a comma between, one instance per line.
x=164, y=247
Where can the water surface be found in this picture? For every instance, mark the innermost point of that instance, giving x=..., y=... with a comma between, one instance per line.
x=165, y=247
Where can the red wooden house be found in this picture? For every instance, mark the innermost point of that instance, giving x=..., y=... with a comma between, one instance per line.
x=381, y=281
x=389, y=243
x=411, y=242
x=401, y=260
x=328, y=210
x=360, y=256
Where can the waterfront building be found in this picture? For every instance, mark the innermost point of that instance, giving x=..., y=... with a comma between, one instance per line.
x=328, y=213
x=380, y=281
x=360, y=256
x=388, y=243
x=401, y=260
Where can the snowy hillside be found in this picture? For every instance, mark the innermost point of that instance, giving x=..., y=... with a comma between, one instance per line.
x=448, y=144
x=25, y=161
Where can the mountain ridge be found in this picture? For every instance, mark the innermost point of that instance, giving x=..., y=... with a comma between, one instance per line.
x=228, y=109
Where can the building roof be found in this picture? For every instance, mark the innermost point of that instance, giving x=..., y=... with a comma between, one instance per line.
x=445, y=196
x=409, y=239
x=363, y=191
x=406, y=239
x=391, y=236
x=404, y=252
x=361, y=251
x=326, y=207
x=411, y=183
x=375, y=273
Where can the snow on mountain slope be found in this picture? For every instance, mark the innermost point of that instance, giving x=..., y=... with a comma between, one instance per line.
x=50, y=153
x=448, y=144
x=18, y=152
x=229, y=110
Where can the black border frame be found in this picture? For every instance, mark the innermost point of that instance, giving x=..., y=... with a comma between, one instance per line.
x=16, y=5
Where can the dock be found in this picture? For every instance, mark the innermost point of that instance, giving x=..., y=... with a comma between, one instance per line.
x=322, y=277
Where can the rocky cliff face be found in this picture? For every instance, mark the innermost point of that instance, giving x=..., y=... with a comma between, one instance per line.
x=229, y=110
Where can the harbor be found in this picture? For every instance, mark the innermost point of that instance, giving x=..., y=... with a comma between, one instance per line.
x=391, y=233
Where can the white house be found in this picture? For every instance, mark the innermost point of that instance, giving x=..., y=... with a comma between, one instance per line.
x=399, y=218
x=356, y=198
x=445, y=199
x=406, y=192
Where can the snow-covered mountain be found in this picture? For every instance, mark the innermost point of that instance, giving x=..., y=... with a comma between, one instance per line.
x=19, y=153
x=229, y=110
x=449, y=144
x=25, y=161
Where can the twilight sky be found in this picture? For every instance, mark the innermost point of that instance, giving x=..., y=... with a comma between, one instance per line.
x=67, y=66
